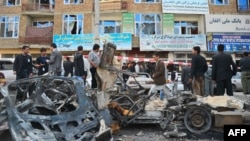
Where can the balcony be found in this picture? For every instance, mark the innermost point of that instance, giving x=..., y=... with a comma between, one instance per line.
x=244, y=8
x=113, y=5
x=34, y=35
x=37, y=7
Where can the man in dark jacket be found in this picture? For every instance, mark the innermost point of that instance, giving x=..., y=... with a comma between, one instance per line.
x=198, y=68
x=245, y=73
x=223, y=68
x=185, y=74
x=68, y=67
x=22, y=66
x=79, y=65
x=159, y=77
x=41, y=64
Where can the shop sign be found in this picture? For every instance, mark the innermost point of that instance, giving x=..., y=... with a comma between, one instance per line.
x=232, y=43
x=172, y=42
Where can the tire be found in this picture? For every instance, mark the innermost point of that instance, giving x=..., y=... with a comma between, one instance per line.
x=198, y=120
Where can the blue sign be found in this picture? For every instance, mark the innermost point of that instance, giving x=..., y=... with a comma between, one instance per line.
x=232, y=43
x=123, y=41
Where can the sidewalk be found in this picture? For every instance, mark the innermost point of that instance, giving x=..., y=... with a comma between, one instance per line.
x=234, y=117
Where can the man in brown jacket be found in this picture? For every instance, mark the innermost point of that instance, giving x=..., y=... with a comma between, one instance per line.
x=159, y=77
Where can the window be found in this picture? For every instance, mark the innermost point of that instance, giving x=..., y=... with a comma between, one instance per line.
x=183, y=57
x=148, y=24
x=145, y=1
x=243, y=5
x=11, y=2
x=73, y=1
x=110, y=26
x=73, y=24
x=220, y=2
x=9, y=26
x=185, y=27
x=41, y=24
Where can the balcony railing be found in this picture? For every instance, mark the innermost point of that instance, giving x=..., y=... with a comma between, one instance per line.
x=36, y=35
x=36, y=40
x=38, y=7
x=113, y=5
x=243, y=8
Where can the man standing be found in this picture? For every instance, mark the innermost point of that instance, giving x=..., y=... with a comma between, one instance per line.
x=223, y=68
x=245, y=72
x=94, y=61
x=159, y=77
x=198, y=68
x=55, y=62
x=41, y=63
x=22, y=66
x=80, y=65
x=185, y=74
x=68, y=67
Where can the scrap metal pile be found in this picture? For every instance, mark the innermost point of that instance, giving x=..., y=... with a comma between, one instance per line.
x=51, y=108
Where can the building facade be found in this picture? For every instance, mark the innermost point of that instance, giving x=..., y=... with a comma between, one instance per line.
x=172, y=27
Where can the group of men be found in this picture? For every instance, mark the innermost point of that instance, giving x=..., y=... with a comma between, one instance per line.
x=23, y=66
x=223, y=68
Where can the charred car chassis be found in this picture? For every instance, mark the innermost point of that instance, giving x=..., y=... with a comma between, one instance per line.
x=51, y=108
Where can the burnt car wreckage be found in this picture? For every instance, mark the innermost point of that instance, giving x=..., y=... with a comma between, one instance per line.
x=59, y=108
x=52, y=108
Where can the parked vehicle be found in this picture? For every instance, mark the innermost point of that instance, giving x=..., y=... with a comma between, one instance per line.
x=6, y=70
x=236, y=82
x=144, y=79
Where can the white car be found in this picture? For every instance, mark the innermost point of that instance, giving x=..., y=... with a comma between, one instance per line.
x=144, y=80
x=236, y=82
x=6, y=70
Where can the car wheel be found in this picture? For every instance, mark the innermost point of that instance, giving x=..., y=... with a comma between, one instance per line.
x=234, y=88
x=198, y=120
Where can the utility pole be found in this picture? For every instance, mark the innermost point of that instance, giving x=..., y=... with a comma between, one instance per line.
x=96, y=22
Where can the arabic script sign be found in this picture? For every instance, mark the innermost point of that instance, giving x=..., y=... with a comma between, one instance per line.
x=185, y=6
x=172, y=42
x=123, y=41
x=227, y=23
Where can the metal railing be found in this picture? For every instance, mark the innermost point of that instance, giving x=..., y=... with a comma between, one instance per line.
x=113, y=5
x=36, y=40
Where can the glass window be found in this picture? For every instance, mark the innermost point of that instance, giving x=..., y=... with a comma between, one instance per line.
x=110, y=26
x=145, y=1
x=220, y=2
x=9, y=26
x=148, y=24
x=185, y=27
x=42, y=24
x=11, y=2
x=73, y=24
x=243, y=5
x=73, y=1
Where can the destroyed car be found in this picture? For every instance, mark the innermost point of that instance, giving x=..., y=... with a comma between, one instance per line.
x=51, y=108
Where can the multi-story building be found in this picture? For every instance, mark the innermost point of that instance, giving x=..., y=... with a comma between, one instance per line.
x=170, y=26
